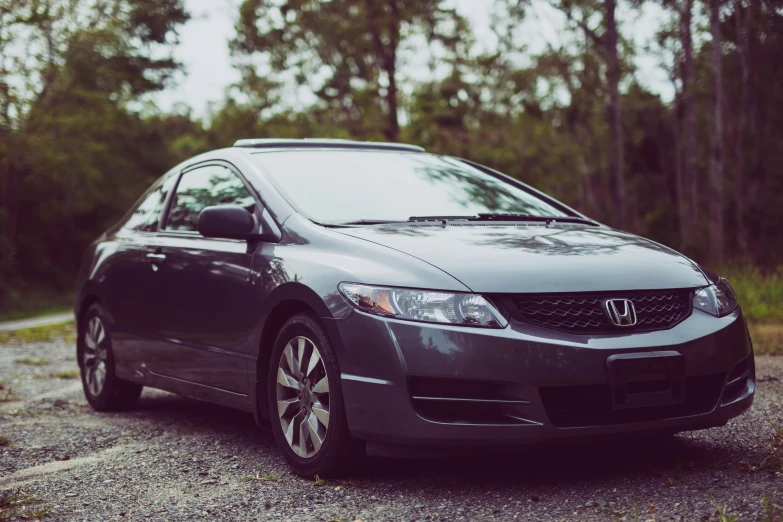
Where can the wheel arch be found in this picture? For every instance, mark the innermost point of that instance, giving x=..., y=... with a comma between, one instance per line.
x=283, y=303
x=86, y=302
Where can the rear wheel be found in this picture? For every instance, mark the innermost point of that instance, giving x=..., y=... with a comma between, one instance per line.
x=102, y=388
x=305, y=399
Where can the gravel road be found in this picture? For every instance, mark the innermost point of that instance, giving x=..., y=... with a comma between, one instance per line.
x=177, y=459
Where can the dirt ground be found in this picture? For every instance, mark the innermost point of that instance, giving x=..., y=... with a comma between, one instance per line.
x=177, y=459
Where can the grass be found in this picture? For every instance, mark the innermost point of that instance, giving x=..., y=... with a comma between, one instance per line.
x=759, y=293
x=65, y=331
x=21, y=301
x=724, y=514
x=777, y=436
x=33, y=361
x=773, y=510
x=767, y=338
x=67, y=374
x=17, y=315
x=7, y=394
x=771, y=460
x=22, y=505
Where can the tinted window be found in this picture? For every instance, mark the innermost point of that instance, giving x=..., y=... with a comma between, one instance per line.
x=146, y=216
x=341, y=186
x=206, y=187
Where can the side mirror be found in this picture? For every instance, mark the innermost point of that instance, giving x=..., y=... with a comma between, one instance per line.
x=227, y=222
x=234, y=222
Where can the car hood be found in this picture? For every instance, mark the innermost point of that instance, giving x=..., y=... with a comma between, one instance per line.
x=539, y=259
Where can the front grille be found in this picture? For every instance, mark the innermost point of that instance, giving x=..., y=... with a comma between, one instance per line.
x=585, y=314
x=591, y=405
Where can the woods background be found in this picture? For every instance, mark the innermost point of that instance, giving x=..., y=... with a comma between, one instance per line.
x=703, y=173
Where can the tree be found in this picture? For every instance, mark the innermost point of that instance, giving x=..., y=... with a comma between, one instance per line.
x=716, y=138
x=743, y=114
x=689, y=217
x=576, y=67
x=677, y=40
x=607, y=38
x=346, y=51
x=68, y=70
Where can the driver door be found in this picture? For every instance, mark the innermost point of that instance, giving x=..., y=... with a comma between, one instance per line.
x=210, y=303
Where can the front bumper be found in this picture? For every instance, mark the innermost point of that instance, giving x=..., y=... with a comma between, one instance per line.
x=555, y=384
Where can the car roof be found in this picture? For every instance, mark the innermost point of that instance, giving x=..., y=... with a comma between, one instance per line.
x=320, y=143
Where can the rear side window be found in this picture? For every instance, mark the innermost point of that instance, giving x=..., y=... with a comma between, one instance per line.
x=205, y=187
x=147, y=215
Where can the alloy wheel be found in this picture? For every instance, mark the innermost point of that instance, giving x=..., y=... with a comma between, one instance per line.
x=95, y=356
x=303, y=397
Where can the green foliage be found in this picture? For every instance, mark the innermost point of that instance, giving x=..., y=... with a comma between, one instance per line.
x=767, y=338
x=772, y=510
x=73, y=156
x=346, y=52
x=7, y=395
x=759, y=293
x=16, y=503
x=22, y=300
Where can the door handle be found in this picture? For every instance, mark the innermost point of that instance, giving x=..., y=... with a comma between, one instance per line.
x=156, y=260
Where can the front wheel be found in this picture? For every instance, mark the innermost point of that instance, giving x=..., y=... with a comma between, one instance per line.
x=305, y=399
x=102, y=388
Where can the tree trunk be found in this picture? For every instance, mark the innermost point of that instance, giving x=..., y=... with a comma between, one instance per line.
x=716, y=139
x=689, y=175
x=386, y=52
x=679, y=183
x=742, y=115
x=615, y=113
x=393, y=125
x=586, y=196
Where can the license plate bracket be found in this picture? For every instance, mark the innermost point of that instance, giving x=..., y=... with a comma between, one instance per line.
x=644, y=379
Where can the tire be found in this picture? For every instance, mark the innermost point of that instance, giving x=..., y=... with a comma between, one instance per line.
x=309, y=446
x=103, y=390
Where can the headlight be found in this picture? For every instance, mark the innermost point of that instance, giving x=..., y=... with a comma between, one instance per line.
x=718, y=299
x=423, y=305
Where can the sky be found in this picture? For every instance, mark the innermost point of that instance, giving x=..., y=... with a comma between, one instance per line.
x=203, y=48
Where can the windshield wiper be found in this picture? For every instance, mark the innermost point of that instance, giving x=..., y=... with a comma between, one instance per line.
x=499, y=216
x=495, y=216
x=362, y=222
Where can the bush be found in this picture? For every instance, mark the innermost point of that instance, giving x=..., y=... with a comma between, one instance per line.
x=759, y=293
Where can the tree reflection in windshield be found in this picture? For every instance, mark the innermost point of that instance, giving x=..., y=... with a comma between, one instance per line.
x=489, y=192
x=343, y=186
x=206, y=187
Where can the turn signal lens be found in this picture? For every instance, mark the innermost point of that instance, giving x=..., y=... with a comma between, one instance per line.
x=424, y=306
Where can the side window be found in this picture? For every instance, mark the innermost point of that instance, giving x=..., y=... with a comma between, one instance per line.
x=146, y=216
x=205, y=187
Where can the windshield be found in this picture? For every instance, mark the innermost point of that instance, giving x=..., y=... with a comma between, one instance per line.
x=347, y=186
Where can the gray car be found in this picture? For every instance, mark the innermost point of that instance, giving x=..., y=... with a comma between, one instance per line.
x=352, y=292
